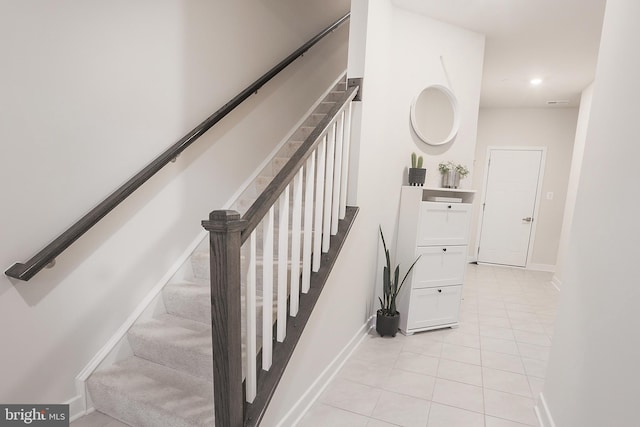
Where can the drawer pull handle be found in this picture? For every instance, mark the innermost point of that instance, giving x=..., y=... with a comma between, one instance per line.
x=444, y=249
x=449, y=207
x=439, y=290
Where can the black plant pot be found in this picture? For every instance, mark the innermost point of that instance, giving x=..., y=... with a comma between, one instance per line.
x=387, y=325
x=417, y=176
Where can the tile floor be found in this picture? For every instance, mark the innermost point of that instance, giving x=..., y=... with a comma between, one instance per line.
x=486, y=373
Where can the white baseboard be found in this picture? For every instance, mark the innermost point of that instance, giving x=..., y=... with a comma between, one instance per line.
x=542, y=412
x=555, y=281
x=542, y=267
x=549, y=268
x=308, y=398
x=77, y=407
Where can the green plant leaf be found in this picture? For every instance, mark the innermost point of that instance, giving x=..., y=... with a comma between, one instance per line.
x=408, y=271
x=396, y=274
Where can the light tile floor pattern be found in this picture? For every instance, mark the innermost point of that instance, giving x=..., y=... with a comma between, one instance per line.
x=486, y=373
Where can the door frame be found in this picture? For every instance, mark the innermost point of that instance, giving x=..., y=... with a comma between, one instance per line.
x=536, y=209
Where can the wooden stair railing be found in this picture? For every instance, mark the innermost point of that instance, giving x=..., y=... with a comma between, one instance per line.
x=46, y=256
x=315, y=228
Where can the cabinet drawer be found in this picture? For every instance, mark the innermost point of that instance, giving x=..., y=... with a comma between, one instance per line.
x=434, y=306
x=439, y=266
x=443, y=223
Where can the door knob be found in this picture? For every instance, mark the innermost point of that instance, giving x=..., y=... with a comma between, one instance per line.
x=527, y=219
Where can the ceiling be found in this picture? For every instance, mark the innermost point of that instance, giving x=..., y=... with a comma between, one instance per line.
x=555, y=40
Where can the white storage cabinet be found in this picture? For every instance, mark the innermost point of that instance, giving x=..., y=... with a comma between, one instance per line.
x=437, y=232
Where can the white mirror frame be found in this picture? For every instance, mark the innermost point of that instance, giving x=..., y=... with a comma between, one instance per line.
x=456, y=116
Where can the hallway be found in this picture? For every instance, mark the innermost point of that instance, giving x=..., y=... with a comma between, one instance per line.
x=486, y=373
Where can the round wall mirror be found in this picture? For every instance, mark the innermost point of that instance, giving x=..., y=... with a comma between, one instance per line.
x=434, y=115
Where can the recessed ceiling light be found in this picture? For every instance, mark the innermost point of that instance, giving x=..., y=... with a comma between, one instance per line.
x=535, y=81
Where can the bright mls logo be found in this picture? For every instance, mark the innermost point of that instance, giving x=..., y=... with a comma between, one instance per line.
x=34, y=415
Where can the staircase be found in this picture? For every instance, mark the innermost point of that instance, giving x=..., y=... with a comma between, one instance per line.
x=168, y=382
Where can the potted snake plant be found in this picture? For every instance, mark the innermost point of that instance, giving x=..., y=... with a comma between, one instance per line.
x=388, y=317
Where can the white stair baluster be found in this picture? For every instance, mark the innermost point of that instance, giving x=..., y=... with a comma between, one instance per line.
x=267, y=289
x=346, y=149
x=328, y=188
x=296, y=221
x=335, y=204
x=317, y=228
x=308, y=222
x=283, y=260
x=250, y=309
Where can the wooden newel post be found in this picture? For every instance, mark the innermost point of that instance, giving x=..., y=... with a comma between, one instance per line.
x=224, y=236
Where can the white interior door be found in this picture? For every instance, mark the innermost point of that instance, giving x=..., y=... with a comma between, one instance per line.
x=508, y=208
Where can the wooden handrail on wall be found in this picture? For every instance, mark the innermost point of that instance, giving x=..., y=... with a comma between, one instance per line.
x=25, y=271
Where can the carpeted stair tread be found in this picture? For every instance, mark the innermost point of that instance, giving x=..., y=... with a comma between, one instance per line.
x=201, y=267
x=200, y=264
x=302, y=133
x=191, y=300
x=314, y=119
x=324, y=107
x=145, y=394
x=175, y=342
x=334, y=96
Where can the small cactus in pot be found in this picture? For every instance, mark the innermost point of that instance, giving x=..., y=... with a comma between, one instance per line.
x=417, y=173
x=416, y=161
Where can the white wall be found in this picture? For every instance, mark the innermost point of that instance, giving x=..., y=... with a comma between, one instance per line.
x=593, y=367
x=418, y=44
x=574, y=181
x=553, y=128
x=402, y=57
x=92, y=91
